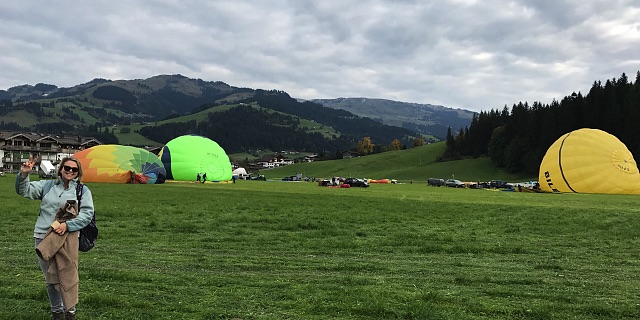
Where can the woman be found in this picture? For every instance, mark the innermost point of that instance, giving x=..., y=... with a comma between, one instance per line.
x=53, y=196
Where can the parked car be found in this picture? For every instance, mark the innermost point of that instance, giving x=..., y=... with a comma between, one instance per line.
x=435, y=182
x=355, y=182
x=483, y=185
x=499, y=184
x=454, y=183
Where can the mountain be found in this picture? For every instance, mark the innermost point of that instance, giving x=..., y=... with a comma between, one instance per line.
x=426, y=119
x=155, y=97
x=243, y=118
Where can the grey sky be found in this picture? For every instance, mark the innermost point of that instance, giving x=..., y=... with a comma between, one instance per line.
x=476, y=55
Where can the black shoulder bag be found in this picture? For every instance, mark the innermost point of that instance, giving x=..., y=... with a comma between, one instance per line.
x=88, y=234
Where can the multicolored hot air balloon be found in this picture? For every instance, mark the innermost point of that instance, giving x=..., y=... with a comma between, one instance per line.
x=187, y=156
x=589, y=161
x=120, y=164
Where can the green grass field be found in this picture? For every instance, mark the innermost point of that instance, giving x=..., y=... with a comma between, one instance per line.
x=278, y=250
x=414, y=164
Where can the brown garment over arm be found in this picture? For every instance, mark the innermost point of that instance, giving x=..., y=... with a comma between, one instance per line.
x=61, y=251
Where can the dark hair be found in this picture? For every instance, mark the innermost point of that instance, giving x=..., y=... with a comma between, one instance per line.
x=65, y=160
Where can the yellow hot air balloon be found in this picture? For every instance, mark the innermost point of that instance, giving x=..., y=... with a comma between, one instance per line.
x=589, y=161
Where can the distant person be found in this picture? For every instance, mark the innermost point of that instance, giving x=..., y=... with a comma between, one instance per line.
x=204, y=177
x=198, y=177
x=59, y=241
x=234, y=178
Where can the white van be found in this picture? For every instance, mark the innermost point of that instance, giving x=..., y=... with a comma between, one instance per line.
x=47, y=169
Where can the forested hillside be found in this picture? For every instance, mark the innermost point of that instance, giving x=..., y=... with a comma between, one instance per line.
x=279, y=122
x=352, y=126
x=246, y=128
x=272, y=120
x=518, y=138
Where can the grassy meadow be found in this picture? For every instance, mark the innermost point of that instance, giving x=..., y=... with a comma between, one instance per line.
x=293, y=250
x=414, y=164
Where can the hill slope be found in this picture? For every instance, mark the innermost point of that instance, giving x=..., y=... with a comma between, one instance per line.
x=415, y=164
x=271, y=121
x=276, y=122
x=121, y=101
x=426, y=119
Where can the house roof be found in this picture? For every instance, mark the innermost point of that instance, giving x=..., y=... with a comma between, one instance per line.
x=61, y=139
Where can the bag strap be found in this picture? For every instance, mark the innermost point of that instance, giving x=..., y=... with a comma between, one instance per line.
x=79, y=190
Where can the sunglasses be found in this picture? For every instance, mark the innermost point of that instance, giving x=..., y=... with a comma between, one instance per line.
x=70, y=169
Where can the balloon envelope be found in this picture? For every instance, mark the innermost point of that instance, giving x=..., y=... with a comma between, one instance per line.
x=117, y=164
x=589, y=161
x=187, y=156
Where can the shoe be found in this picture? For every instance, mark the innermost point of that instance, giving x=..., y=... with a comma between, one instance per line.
x=69, y=316
x=57, y=316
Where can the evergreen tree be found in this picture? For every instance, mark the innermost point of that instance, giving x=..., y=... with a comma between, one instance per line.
x=519, y=139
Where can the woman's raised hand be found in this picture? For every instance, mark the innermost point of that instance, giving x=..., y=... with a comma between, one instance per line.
x=28, y=165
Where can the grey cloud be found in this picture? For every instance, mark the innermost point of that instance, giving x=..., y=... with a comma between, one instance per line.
x=469, y=54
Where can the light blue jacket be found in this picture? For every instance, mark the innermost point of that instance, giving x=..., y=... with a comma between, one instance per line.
x=53, y=200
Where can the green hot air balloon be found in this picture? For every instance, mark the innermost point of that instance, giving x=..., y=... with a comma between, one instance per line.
x=189, y=156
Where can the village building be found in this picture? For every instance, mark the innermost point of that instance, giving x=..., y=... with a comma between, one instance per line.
x=311, y=157
x=272, y=161
x=17, y=147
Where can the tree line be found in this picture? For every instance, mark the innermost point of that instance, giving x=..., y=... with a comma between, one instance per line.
x=517, y=139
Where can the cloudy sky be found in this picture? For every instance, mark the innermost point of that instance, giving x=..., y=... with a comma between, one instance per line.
x=475, y=55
